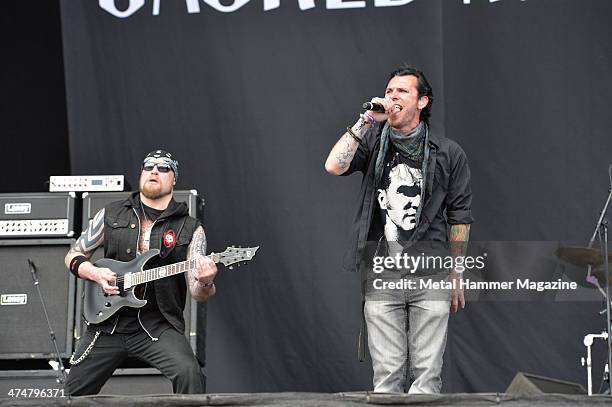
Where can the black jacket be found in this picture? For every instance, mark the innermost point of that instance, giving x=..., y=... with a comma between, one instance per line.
x=447, y=200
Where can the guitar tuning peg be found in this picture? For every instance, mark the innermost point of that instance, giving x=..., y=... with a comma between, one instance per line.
x=231, y=267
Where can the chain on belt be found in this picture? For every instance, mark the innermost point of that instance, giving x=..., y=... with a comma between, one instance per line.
x=87, y=351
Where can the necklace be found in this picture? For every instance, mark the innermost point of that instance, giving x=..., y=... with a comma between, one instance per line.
x=144, y=214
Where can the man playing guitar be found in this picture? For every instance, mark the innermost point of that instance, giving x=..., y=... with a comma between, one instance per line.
x=154, y=333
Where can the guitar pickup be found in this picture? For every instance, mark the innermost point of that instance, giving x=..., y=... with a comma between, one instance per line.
x=127, y=281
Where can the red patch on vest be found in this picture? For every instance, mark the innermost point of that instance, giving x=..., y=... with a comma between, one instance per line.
x=169, y=238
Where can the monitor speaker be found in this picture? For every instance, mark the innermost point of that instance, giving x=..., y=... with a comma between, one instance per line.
x=530, y=384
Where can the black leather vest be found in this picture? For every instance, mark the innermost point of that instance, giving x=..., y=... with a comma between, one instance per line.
x=121, y=233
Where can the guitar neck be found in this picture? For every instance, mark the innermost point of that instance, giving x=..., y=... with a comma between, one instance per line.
x=157, y=273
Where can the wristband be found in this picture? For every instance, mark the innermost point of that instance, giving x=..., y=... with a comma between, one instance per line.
x=350, y=131
x=75, y=263
x=371, y=119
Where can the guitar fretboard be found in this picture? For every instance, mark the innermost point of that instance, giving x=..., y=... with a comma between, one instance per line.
x=164, y=271
x=145, y=276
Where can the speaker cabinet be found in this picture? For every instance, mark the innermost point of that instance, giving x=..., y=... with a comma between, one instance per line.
x=530, y=384
x=25, y=333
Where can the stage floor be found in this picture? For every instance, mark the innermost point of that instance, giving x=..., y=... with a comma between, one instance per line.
x=317, y=399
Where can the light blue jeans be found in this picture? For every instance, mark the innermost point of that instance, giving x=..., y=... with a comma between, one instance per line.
x=406, y=338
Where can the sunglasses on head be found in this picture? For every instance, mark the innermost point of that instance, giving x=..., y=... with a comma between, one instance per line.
x=160, y=167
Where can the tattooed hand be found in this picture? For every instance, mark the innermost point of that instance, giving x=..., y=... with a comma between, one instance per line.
x=201, y=278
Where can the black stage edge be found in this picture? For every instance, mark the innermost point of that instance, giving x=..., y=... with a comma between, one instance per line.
x=319, y=399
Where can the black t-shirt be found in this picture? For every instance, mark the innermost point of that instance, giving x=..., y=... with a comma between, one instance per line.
x=399, y=195
x=128, y=317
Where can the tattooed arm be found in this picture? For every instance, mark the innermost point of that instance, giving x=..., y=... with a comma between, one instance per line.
x=343, y=152
x=458, y=238
x=85, y=245
x=200, y=280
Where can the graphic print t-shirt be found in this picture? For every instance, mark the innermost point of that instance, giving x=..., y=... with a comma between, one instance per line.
x=399, y=201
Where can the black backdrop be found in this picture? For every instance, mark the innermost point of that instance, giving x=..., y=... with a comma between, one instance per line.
x=33, y=107
x=251, y=101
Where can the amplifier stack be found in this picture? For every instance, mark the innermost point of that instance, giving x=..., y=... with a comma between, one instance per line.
x=36, y=227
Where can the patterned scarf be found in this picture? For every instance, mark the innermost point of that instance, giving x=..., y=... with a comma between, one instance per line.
x=411, y=146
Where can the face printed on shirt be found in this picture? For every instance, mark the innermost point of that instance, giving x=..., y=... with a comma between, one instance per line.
x=402, y=197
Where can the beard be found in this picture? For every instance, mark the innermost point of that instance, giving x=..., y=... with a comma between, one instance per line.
x=153, y=191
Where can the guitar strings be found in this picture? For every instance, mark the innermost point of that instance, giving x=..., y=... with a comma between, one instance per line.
x=121, y=279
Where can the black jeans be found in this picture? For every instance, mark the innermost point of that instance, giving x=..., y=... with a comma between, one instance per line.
x=170, y=354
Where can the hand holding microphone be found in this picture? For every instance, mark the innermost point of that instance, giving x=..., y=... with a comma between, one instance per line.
x=373, y=107
x=380, y=109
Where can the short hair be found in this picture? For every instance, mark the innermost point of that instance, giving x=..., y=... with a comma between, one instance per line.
x=423, y=87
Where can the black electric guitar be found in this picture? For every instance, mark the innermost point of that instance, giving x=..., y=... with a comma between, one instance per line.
x=99, y=306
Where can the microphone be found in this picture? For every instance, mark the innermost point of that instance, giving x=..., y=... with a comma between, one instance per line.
x=375, y=107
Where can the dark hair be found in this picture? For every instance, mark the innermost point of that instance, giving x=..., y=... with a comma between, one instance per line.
x=423, y=87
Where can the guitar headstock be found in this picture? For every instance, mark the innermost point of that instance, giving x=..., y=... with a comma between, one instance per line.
x=232, y=255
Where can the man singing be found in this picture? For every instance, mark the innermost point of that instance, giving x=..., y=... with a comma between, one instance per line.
x=148, y=219
x=415, y=188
